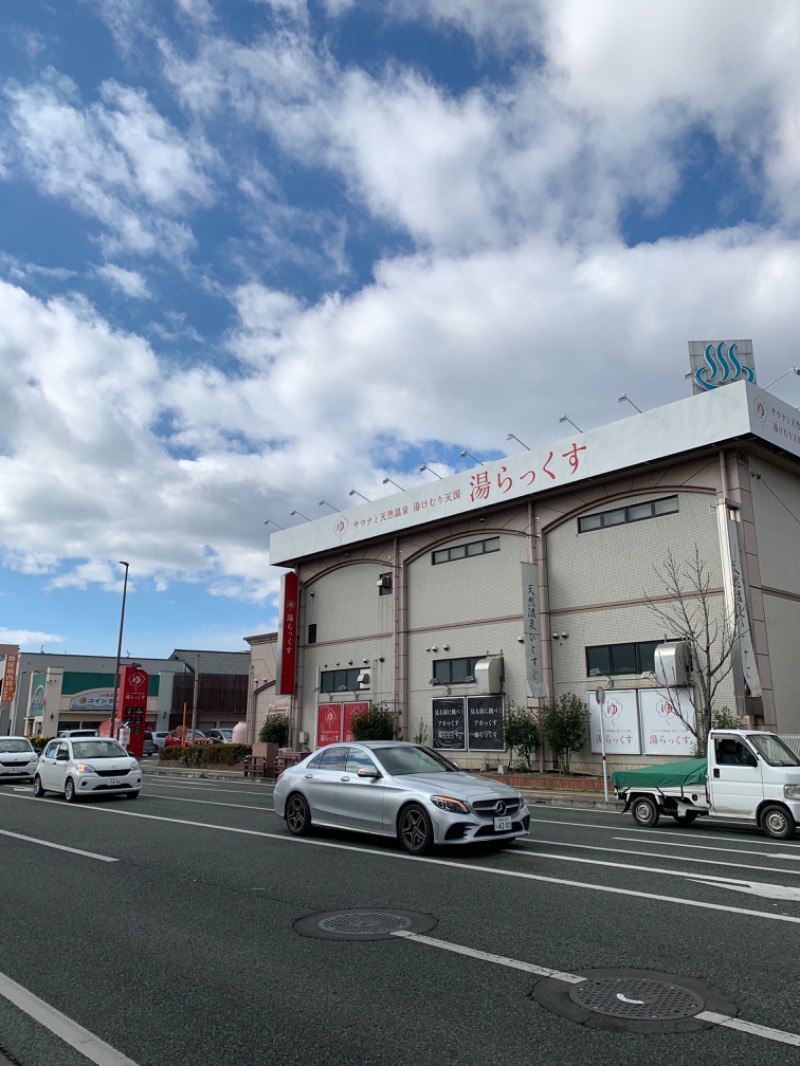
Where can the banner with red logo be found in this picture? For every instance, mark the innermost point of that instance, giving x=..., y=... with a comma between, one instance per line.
x=329, y=724
x=287, y=635
x=349, y=711
x=133, y=706
x=9, y=678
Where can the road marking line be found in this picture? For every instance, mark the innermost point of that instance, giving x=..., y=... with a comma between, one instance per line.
x=739, y=826
x=462, y=866
x=728, y=851
x=725, y=1020
x=58, y=847
x=200, y=788
x=656, y=855
x=89, y=1045
x=214, y=803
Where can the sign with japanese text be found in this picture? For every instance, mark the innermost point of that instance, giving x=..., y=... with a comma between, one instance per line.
x=349, y=711
x=329, y=724
x=133, y=684
x=485, y=723
x=287, y=635
x=664, y=716
x=9, y=677
x=618, y=718
x=531, y=628
x=95, y=699
x=736, y=589
x=448, y=723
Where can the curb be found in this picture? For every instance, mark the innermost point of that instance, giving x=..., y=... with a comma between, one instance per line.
x=533, y=797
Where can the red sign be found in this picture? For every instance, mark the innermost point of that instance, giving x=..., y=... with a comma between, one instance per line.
x=349, y=709
x=9, y=678
x=132, y=712
x=287, y=635
x=329, y=724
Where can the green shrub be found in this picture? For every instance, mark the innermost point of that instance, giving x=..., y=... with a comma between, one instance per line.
x=521, y=731
x=275, y=730
x=374, y=723
x=207, y=754
x=39, y=742
x=564, y=724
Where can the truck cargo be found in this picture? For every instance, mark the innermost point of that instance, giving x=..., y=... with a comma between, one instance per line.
x=747, y=776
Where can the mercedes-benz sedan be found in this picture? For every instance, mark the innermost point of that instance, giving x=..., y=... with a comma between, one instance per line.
x=398, y=789
x=87, y=766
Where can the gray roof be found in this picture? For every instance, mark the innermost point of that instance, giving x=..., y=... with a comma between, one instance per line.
x=214, y=662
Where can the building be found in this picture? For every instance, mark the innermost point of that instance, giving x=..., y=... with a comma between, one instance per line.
x=535, y=575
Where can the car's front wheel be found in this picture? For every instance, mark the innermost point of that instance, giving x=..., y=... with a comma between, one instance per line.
x=298, y=816
x=37, y=786
x=414, y=830
x=777, y=822
x=69, y=791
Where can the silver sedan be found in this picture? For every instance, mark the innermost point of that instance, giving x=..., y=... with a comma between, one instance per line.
x=401, y=790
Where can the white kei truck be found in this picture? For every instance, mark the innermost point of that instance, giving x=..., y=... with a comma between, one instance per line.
x=748, y=776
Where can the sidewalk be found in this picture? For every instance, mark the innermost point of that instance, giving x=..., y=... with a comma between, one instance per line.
x=550, y=797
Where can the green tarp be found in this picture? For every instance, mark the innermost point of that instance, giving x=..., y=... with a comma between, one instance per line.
x=669, y=775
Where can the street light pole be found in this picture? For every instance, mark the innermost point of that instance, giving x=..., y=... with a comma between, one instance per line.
x=119, y=650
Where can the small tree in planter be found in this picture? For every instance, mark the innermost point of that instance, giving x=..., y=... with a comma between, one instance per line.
x=521, y=730
x=564, y=724
x=275, y=730
x=374, y=723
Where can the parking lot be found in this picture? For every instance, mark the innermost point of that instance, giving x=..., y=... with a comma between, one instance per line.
x=172, y=930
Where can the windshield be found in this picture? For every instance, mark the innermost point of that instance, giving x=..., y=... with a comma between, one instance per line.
x=98, y=749
x=15, y=746
x=406, y=760
x=773, y=750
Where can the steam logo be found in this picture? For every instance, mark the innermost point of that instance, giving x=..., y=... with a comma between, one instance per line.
x=612, y=709
x=721, y=368
x=760, y=409
x=340, y=526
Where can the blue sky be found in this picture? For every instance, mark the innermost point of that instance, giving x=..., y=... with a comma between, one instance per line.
x=255, y=254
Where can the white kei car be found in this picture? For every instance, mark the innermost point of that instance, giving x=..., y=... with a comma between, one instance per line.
x=87, y=766
x=18, y=759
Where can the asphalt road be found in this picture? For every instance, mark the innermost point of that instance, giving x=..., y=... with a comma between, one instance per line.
x=182, y=950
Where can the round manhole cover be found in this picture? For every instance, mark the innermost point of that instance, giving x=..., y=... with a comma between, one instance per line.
x=634, y=1001
x=637, y=998
x=364, y=923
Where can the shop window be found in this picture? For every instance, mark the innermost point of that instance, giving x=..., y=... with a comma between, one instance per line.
x=619, y=516
x=464, y=551
x=339, y=680
x=636, y=657
x=312, y=633
x=455, y=671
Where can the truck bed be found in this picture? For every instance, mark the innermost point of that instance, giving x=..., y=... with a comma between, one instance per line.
x=664, y=776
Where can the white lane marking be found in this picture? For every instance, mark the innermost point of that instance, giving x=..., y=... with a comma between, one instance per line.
x=486, y=956
x=765, y=1032
x=89, y=1045
x=750, y=1027
x=727, y=851
x=657, y=834
x=492, y=871
x=213, y=803
x=200, y=788
x=58, y=847
x=753, y=888
x=656, y=855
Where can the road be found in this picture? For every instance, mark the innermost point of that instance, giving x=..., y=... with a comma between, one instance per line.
x=162, y=932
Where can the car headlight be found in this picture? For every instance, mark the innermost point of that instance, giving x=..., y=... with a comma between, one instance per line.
x=85, y=768
x=452, y=806
x=791, y=792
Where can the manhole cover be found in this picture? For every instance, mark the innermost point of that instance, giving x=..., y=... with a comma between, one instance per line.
x=625, y=997
x=365, y=923
x=634, y=1001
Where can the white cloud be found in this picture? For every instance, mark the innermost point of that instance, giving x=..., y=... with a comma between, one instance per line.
x=129, y=282
x=27, y=637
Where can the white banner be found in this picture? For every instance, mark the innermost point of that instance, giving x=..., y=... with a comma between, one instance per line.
x=619, y=723
x=663, y=731
x=532, y=628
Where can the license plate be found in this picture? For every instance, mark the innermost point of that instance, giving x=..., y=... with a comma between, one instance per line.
x=113, y=781
x=502, y=825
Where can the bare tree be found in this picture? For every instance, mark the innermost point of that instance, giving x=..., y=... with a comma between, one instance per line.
x=692, y=611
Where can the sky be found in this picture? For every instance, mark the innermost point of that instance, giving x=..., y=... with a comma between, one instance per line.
x=255, y=254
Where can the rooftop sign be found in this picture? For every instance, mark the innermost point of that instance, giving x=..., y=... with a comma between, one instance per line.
x=695, y=422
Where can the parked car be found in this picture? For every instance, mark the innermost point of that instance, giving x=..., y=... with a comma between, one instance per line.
x=150, y=747
x=86, y=766
x=160, y=739
x=18, y=759
x=398, y=789
x=174, y=738
x=76, y=733
x=220, y=736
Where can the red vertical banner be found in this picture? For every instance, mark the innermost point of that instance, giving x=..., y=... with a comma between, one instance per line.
x=349, y=710
x=329, y=724
x=287, y=635
x=9, y=678
x=133, y=706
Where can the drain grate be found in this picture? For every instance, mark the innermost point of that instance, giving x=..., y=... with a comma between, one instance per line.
x=637, y=998
x=365, y=923
x=634, y=1001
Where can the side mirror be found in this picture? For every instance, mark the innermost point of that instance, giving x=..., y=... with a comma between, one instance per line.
x=368, y=771
x=63, y=756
